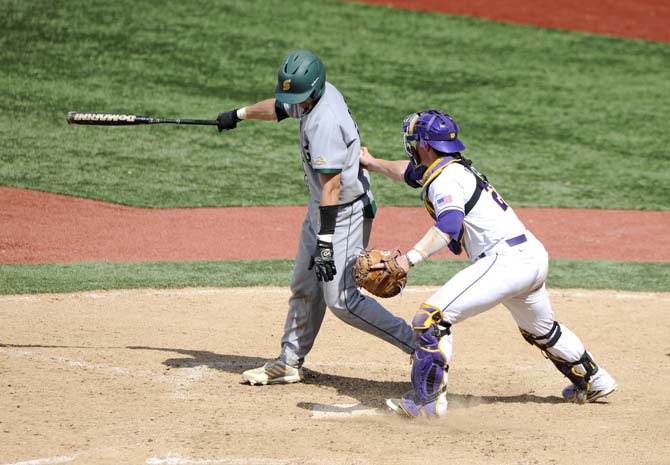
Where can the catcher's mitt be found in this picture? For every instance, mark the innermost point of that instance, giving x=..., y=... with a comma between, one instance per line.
x=385, y=282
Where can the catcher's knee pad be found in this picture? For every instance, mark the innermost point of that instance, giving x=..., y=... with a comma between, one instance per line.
x=430, y=363
x=578, y=372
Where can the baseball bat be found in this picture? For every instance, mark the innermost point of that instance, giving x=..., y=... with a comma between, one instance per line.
x=119, y=119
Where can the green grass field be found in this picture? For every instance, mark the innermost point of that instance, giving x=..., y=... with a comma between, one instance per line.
x=555, y=119
x=29, y=279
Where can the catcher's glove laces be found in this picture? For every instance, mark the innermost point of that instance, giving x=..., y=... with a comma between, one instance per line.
x=378, y=272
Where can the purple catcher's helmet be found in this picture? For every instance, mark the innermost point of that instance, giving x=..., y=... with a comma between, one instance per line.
x=434, y=128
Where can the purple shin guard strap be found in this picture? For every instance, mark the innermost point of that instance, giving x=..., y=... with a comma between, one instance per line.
x=428, y=372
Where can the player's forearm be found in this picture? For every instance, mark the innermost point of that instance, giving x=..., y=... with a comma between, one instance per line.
x=393, y=169
x=263, y=110
x=434, y=241
x=330, y=195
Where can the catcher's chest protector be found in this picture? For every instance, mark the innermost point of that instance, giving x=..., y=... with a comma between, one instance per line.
x=432, y=173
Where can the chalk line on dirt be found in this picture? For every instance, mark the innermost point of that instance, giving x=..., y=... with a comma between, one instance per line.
x=45, y=461
x=177, y=459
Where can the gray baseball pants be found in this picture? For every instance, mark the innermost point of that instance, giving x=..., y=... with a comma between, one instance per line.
x=310, y=297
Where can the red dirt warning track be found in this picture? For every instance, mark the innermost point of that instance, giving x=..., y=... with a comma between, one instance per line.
x=48, y=228
x=640, y=19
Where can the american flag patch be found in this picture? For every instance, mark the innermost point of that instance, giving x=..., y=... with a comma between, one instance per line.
x=443, y=200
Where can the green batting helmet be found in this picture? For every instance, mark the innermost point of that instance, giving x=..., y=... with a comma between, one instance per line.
x=301, y=75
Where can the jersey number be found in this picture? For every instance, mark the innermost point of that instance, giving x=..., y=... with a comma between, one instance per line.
x=496, y=197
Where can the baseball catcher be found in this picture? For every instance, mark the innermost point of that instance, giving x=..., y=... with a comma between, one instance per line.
x=378, y=272
x=509, y=267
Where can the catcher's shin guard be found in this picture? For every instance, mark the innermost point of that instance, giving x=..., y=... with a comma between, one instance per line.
x=578, y=372
x=430, y=364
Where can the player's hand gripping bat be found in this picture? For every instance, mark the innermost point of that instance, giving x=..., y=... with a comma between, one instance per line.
x=116, y=119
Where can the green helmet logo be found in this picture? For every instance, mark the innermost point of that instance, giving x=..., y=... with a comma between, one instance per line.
x=301, y=75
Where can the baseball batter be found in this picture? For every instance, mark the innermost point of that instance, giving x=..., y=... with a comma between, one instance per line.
x=509, y=267
x=338, y=221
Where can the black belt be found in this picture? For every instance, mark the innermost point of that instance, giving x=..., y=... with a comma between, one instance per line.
x=360, y=197
x=513, y=242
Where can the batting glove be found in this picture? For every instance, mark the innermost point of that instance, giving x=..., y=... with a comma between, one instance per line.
x=227, y=120
x=323, y=261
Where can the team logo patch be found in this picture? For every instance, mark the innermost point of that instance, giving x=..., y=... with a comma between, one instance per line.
x=443, y=200
x=286, y=85
x=319, y=161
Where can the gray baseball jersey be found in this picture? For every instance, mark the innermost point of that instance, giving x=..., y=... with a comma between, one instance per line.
x=330, y=143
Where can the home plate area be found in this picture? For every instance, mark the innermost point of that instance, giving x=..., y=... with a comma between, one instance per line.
x=154, y=377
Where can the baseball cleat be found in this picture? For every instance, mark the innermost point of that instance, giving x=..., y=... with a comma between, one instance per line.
x=396, y=406
x=602, y=385
x=273, y=372
x=409, y=408
x=578, y=396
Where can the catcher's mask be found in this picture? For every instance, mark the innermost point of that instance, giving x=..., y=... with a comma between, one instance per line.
x=431, y=127
x=301, y=75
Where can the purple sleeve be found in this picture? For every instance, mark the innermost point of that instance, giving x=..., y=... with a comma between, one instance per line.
x=413, y=174
x=451, y=222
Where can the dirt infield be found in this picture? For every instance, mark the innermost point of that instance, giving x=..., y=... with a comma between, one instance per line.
x=153, y=377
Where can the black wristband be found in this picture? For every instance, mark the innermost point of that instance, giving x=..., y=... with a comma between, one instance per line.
x=280, y=111
x=328, y=215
